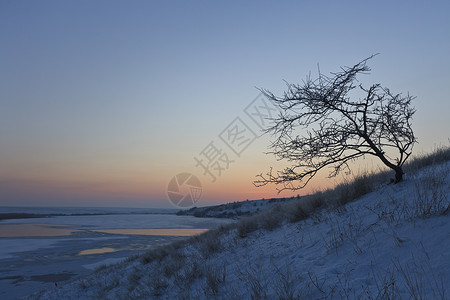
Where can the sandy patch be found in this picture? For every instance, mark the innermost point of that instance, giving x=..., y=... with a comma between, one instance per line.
x=34, y=230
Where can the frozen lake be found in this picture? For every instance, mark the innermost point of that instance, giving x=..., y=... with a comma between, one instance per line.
x=38, y=252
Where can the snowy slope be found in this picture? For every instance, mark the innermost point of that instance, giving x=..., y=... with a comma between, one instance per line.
x=393, y=243
x=235, y=210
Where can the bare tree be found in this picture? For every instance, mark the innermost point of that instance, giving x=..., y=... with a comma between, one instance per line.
x=340, y=127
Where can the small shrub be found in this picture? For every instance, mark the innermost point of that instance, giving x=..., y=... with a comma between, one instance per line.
x=162, y=252
x=214, y=277
x=151, y=256
x=438, y=155
x=83, y=284
x=101, y=267
x=349, y=191
x=158, y=285
x=133, y=278
x=298, y=213
x=272, y=219
x=210, y=244
x=318, y=199
x=285, y=284
x=188, y=274
x=335, y=240
x=246, y=226
x=304, y=208
x=413, y=280
x=431, y=193
x=254, y=279
x=172, y=264
x=362, y=185
x=392, y=214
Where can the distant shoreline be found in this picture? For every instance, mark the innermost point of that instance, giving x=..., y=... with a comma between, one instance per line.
x=10, y=216
x=7, y=216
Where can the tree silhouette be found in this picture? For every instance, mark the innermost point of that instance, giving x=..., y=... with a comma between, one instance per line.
x=340, y=127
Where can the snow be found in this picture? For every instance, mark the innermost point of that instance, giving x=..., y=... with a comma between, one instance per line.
x=44, y=248
x=11, y=246
x=376, y=247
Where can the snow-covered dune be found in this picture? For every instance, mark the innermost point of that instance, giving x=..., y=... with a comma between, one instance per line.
x=392, y=243
x=235, y=210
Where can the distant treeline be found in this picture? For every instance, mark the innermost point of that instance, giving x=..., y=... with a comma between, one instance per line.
x=22, y=216
x=5, y=216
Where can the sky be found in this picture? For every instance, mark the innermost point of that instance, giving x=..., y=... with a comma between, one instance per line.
x=102, y=103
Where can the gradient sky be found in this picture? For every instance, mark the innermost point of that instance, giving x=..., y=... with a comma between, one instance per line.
x=102, y=102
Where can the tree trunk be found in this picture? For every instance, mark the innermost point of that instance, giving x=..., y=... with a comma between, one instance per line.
x=398, y=175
